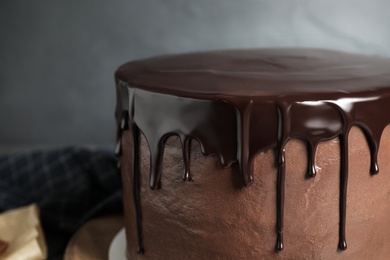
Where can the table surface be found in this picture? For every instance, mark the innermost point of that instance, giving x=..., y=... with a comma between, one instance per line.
x=93, y=239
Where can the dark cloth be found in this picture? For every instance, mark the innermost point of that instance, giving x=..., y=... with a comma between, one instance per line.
x=70, y=186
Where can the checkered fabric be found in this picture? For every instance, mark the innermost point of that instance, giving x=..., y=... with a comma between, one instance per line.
x=70, y=186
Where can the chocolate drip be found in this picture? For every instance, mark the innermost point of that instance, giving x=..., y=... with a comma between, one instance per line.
x=343, y=188
x=283, y=130
x=156, y=152
x=280, y=204
x=135, y=167
x=136, y=188
x=186, y=146
x=311, y=165
x=124, y=125
x=118, y=148
x=210, y=123
x=374, y=146
x=243, y=154
x=237, y=104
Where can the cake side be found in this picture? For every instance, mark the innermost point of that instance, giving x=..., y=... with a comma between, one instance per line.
x=214, y=216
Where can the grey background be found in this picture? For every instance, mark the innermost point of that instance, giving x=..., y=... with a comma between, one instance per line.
x=57, y=58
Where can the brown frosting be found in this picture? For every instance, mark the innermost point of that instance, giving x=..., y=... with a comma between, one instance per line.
x=215, y=216
x=237, y=104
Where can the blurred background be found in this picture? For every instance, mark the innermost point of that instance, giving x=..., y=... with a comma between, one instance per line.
x=58, y=58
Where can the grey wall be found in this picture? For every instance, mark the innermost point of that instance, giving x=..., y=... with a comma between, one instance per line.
x=57, y=58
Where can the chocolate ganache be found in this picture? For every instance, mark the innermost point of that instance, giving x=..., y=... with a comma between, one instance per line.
x=238, y=103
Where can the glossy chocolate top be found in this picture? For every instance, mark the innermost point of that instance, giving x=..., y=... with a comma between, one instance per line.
x=241, y=102
x=257, y=73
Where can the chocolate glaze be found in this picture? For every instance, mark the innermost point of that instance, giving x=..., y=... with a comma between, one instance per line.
x=239, y=103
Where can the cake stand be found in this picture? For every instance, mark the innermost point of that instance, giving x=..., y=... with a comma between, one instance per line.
x=117, y=249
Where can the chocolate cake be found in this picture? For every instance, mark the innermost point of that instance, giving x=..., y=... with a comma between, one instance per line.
x=265, y=153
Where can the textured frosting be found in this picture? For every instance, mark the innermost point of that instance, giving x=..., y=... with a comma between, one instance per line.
x=215, y=217
x=237, y=104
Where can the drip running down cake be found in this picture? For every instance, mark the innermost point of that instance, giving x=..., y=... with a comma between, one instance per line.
x=264, y=153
